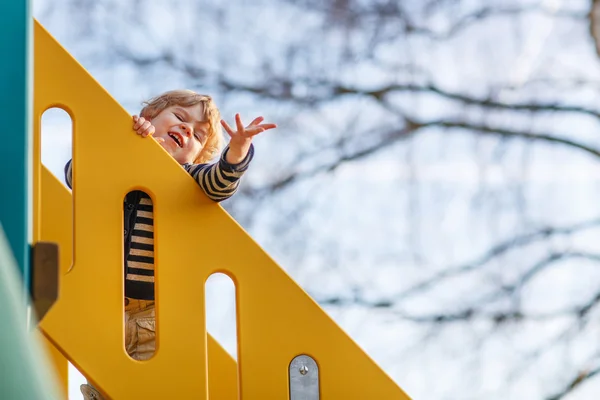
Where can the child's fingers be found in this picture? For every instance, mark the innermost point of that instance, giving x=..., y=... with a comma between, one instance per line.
x=227, y=127
x=138, y=123
x=149, y=131
x=145, y=129
x=256, y=121
x=267, y=126
x=145, y=126
x=254, y=131
x=238, y=122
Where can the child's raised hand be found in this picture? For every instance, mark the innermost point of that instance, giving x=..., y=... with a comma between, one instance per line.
x=243, y=134
x=239, y=145
x=142, y=126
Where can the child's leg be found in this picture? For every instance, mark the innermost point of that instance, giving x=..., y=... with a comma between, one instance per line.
x=140, y=337
x=140, y=329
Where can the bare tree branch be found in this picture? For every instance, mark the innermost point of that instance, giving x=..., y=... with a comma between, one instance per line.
x=488, y=12
x=384, y=141
x=506, y=290
x=582, y=377
x=281, y=88
x=467, y=314
x=412, y=127
x=349, y=14
x=380, y=93
x=514, y=134
x=496, y=251
x=527, y=276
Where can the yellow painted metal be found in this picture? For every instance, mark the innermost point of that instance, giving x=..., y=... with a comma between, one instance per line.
x=57, y=214
x=58, y=233
x=222, y=373
x=194, y=238
x=54, y=194
x=59, y=363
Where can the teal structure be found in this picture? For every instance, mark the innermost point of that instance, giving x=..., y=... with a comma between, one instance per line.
x=24, y=372
x=15, y=111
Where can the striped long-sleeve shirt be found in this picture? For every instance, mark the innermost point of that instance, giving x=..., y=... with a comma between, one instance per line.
x=219, y=181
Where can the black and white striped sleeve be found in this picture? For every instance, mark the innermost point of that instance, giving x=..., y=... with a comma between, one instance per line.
x=220, y=180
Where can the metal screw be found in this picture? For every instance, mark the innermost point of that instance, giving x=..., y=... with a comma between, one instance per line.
x=304, y=370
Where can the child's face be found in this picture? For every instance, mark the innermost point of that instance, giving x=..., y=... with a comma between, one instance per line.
x=182, y=130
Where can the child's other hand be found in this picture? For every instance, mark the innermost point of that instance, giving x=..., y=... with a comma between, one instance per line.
x=142, y=126
x=242, y=137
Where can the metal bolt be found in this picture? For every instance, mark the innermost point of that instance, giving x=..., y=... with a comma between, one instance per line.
x=304, y=370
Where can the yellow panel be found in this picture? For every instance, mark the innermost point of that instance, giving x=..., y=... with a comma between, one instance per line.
x=222, y=373
x=58, y=233
x=277, y=320
x=57, y=211
x=57, y=203
x=59, y=363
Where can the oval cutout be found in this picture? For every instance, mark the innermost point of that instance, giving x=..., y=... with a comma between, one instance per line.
x=221, y=331
x=138, y=250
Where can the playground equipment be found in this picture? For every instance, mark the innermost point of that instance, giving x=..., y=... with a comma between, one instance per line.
x=288, y=348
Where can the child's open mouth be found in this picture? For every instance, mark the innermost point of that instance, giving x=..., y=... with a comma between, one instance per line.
x=176, y=138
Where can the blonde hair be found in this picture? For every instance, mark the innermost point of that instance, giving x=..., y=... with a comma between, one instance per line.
x=188, y=98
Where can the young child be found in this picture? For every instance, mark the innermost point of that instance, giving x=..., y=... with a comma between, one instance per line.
x=188, y=126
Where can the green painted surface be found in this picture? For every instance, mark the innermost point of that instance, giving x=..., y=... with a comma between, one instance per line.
x=15, y=152
x=25, y=373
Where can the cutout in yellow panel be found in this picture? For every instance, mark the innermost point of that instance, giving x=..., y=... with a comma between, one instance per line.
x=56, y=139
x=140, y=240
x=222, y=342
x=56, y=133
x=221, y=311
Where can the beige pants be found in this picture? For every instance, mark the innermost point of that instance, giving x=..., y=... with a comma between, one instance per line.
x=140, y=337
x=140, y=329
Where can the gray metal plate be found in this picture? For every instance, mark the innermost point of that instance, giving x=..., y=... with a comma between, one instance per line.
x=304, y=378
